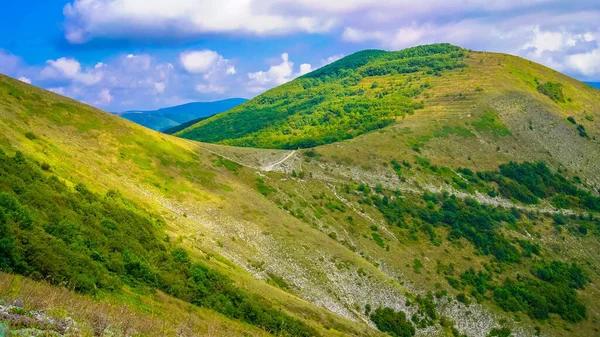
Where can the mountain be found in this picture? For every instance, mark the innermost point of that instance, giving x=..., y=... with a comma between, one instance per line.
x=182, y=126
x=465, y=202
x=594, y=84
x=173, y=116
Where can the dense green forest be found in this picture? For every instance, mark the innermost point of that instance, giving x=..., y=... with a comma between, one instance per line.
x=89, y=242
x=333, y=103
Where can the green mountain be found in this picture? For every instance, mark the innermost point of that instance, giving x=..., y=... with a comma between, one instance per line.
x=467, y=206
x=330, y=104
x=182, y=126
x=173, y=116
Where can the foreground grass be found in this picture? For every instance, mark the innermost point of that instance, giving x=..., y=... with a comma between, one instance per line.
x=126, y=314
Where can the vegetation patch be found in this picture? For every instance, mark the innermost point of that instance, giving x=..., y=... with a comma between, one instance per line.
x=392, y=322
x=91, y=243
x=554, y=90
x=490, y=122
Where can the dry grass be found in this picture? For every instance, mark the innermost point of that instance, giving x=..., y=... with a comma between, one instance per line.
x=126, y=315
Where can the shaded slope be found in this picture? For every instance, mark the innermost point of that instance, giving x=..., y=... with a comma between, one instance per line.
x=330, y=104
x=172, y=116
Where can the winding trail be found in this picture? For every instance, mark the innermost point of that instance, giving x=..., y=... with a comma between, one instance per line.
x=270, y=167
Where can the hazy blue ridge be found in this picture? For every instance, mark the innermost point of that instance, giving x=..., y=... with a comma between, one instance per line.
x=166, y=118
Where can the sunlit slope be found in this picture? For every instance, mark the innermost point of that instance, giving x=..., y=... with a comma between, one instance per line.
x=497, y=109
x=331, y=103
x=210, y=206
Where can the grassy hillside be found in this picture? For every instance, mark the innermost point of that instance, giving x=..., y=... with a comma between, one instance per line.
x=165, y=118
x=476, y=214
x=330, y=104
x=84, y=158
x=511, y=223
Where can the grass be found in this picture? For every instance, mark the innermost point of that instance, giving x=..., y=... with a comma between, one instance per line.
x=127, y=314
x=490, y=122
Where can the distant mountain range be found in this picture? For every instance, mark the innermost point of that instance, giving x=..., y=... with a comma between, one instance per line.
x=166, y=118
x=594, y=84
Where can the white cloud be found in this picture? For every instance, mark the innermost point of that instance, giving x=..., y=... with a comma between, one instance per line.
x=552, y=41
x=25, y=79
x=230, y=70
x=71, y=69
x=305, y=68
x=200, y=61
x=88, y=19
x=104, y=97
x=331, y=59
x=587, y=64
x=276, y=75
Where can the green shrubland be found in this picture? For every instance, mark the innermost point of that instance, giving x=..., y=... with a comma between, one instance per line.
x=89, y=242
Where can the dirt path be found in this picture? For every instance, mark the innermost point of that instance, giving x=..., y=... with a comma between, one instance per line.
x=271, y=166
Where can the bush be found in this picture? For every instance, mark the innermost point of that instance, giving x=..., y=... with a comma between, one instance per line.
x=552, y=90
x=393, y=323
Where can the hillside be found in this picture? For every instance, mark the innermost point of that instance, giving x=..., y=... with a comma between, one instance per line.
x=331, y=103
x=474, y=214
x=474, y=121
x=165, y=118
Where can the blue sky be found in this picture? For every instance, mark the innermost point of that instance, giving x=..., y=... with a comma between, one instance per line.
x=143, y=54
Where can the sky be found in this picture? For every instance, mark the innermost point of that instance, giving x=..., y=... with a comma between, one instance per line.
x=123, y=55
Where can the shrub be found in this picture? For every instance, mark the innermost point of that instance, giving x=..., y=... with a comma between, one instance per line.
x=393, y=323
x=552, y=90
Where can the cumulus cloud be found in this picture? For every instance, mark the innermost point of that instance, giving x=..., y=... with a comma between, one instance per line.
x=24, y=79
x=70, y=69
x=104, y=97
x=587, y=64
x=200, y=61
x=88, y=19
x=331, y=59
x=131, y=19
x=276, y=74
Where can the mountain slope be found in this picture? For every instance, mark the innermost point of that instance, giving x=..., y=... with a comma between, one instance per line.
x=330, y=104
x=200, y=201
x=423, y=227
x=474, y=122
x=172, y=116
